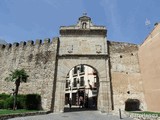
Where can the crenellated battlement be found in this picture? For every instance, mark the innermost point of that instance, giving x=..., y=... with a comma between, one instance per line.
x=38, y=58
x=29, y=43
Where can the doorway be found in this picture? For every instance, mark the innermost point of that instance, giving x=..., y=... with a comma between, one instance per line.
x=132, y=105
x=81, y=89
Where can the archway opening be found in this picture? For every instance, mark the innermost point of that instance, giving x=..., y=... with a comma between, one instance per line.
x=81, y=90
x=132, y=105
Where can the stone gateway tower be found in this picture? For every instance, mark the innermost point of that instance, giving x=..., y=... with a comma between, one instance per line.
x=86, y=44
x=48, y=64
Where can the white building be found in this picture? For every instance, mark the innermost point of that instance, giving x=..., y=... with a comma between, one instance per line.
x=81, y=84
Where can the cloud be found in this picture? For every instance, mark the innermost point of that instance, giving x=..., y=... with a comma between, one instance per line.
x=112, y=16
x=121, y=19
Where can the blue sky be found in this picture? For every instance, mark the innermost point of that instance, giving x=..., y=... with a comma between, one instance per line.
x=23, y=20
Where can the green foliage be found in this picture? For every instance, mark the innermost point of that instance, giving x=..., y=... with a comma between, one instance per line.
x=3, y=96
x=21, y=101
x=2, y=104
x=33, y=101
x=16, y=74
x=30, y=101
x=8, y=104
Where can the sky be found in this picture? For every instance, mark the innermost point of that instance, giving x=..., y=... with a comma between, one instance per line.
x=23, y=20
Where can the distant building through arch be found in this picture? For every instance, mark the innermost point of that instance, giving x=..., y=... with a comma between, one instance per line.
x=82, y=86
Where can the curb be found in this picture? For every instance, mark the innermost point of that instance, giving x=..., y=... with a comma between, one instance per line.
x=6, y=117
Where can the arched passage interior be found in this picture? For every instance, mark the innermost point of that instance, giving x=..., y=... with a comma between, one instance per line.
x=82, y=85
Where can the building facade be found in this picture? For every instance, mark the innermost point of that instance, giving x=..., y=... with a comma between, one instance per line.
x=150, y=68
x=81, y=86
x=57, y=69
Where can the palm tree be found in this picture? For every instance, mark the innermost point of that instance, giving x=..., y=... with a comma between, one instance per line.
x=17, y=76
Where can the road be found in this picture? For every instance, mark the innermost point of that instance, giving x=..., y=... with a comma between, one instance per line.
x=73, y=115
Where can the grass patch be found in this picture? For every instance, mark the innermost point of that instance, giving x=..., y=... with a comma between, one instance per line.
x=7, y=112
x=146, y=112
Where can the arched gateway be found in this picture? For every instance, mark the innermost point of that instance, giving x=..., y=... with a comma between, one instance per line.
x=83, y=44
x=82, y=87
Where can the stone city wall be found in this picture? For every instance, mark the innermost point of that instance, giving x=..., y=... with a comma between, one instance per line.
x=38, y=59
x=125, y=74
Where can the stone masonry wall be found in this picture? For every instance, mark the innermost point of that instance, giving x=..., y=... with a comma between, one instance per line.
x=39, y=62
x=125, y=74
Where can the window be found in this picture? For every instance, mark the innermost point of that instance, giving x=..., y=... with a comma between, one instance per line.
x=75, y=82
x=82, y=68
x=81, y=81
x=67, y=83
x=68, y=75
x=95, y=82
x=75, y=70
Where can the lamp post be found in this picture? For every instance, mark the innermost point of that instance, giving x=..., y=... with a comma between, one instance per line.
x=88, y=86
x=89, y=94
x=78, y=89
x=70, y=90
x=70, y=94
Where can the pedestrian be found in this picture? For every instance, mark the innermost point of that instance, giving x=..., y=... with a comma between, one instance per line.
x=70, y=103
x=81, y=102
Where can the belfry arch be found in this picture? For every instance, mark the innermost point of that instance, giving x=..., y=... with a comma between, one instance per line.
x=87, y=47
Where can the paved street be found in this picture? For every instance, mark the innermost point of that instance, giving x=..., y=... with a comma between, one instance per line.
x=74, y=115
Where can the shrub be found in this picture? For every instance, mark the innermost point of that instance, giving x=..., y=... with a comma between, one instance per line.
x=2, y=104
x=33, y=101
x=8, y=104
x=21, y=101
x=4, y=96
x=30, y=101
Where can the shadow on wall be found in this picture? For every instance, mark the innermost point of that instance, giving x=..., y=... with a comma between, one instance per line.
x=132, y=105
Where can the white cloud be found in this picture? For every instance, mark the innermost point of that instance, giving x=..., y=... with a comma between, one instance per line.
x=112, y=16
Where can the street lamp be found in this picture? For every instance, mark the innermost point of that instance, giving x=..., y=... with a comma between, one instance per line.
x=78, y=89
x=70, y=89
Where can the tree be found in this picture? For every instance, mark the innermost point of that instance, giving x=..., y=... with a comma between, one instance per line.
x=17, y=76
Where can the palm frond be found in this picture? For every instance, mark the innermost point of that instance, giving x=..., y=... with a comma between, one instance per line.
x=17, y=74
